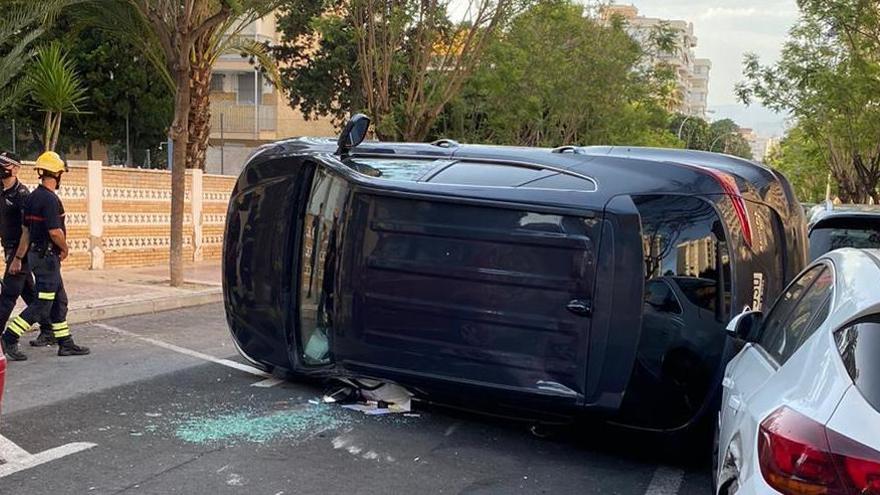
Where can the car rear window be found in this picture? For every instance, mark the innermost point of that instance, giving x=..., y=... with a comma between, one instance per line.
x=859, y=346
x=844, y=232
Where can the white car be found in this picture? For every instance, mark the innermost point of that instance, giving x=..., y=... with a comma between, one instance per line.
x=800, y=412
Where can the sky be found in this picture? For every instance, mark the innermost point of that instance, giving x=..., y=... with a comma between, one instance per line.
x=726, y=30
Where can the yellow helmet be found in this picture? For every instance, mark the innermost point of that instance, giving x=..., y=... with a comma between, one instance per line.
x=51, y=162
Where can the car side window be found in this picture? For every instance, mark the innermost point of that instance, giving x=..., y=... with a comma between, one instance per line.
x=660, y=297
x=798, y=313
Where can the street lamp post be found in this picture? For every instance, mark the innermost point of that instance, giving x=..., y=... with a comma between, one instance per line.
x=681, y=127
x=725, y=135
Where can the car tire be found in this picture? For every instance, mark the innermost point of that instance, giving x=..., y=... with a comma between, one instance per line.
x=730, y=488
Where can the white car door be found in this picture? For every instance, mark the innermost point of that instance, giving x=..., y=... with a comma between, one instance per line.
x=795, y=316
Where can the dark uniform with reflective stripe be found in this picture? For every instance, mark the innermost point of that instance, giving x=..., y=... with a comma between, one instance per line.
x=22, y=283
x=43, y=212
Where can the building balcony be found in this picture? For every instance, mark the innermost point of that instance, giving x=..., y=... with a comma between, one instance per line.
x=236, y=121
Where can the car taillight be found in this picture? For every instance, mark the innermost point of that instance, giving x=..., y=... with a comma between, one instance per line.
x=731, y=190
x=798, y=456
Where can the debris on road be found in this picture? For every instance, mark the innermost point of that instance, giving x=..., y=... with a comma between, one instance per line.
x=255, y=428
x=371, y=397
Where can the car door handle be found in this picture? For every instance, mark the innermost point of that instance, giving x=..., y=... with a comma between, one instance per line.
x=580, y=307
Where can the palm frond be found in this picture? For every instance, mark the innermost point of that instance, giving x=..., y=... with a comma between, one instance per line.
x=53, y=82
x=252, y=48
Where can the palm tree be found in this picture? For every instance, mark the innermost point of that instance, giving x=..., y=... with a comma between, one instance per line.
x=182, y=39
x=55, y=86
x=226, y=39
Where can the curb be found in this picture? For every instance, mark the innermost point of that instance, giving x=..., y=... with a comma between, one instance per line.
x=140, y=307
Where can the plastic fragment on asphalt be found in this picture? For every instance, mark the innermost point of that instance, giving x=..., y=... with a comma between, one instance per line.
x=372, y=398
x=378, y=411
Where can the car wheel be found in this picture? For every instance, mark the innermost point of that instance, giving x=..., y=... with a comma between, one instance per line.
x=730, y=488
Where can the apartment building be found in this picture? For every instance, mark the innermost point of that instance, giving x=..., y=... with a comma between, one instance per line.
x=247, y=110
x=691, y=73
x=761, y=146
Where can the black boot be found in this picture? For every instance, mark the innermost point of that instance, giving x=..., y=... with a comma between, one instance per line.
x=10, y=348
x=66, y=347
x=45, y=339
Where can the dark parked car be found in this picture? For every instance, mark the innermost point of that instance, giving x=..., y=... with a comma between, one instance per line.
x=833, y=227
x=536, y=281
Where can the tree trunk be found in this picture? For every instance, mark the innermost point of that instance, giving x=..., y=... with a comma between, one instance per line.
x=179, y=134
x=200, y=101
x=57, y=131
x=47, y=135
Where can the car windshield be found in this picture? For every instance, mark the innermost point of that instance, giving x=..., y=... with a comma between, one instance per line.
x=859, y=346
x=844, y=232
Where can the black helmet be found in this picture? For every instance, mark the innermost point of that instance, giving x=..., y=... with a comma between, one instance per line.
x=8, y=159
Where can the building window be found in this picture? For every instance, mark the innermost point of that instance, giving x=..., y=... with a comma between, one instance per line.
x=246, y=87
x=217, y=82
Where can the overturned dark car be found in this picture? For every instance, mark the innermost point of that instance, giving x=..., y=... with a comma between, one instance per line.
x=532, y=281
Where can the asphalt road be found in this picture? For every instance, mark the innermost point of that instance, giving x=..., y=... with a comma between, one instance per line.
x=146, y=415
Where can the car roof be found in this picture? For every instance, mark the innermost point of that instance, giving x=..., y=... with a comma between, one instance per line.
x=856, y=274
x=828, y=211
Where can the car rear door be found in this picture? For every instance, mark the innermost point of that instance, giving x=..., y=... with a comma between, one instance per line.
x=469, y=284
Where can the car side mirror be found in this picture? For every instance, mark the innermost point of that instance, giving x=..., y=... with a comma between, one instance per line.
x=744, y=326
x=353, y=134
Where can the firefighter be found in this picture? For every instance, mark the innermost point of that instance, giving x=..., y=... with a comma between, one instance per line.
x=12, y=199
x=43, y=241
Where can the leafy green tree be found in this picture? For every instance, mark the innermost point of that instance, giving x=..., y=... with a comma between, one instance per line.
x=803, y=161
x=533, y=90
x=724, y=137
x=402, y=62
x=317, y=56
x=120, y=84
x=828, y=78
x=721, y=136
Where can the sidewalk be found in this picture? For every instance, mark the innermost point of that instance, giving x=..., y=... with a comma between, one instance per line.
x=101, y=294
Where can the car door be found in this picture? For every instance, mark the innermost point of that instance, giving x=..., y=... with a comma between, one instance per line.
x=799, y=311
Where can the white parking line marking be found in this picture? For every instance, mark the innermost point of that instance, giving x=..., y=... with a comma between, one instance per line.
x=268, y=382
x=189, y=352
x=10, y=452
x=666, y=481
x=17, y=459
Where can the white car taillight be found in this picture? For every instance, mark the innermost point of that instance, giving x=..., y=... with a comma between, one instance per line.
x=799, y=456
